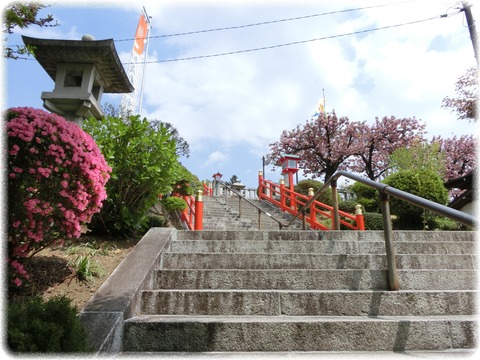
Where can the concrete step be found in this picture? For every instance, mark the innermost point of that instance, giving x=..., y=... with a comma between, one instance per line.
x=307, y=303
x=313, y=261
x=297, y=279
x=168, y=333
x=398, y=236
x=226, y=210
x=324, y=247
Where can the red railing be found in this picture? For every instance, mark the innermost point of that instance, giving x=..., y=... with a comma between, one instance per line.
x=290, y=201
x=207, y=191
x=193, y=213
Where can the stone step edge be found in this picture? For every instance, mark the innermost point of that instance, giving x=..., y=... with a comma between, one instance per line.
x=324, y=241
x=310, y=291
x=296, y=319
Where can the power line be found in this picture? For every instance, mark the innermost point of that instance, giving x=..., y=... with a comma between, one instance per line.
x=271, y=21
x=297, y=42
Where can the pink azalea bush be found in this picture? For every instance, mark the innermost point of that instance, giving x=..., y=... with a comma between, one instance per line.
x=56, y=182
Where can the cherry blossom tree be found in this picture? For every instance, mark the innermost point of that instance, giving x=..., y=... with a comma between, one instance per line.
x=376, y=143
x=328, y=144
x=324, y=144
x=465, y=104
x=459, y=154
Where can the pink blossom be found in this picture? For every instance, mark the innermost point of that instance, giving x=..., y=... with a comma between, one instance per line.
x=71, y=169
x=44, y=171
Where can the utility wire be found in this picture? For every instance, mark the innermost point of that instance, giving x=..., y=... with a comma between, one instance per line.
x=298, y=42
x=264, y=22
x=270, y=22
x=287, y=44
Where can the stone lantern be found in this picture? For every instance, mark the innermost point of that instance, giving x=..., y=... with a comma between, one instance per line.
x=216, y=177
x=289, y=164
x=82, y=71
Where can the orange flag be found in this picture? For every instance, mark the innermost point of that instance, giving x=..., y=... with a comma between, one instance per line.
x=140, y=35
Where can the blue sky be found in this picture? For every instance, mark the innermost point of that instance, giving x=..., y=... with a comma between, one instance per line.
x=229, y=108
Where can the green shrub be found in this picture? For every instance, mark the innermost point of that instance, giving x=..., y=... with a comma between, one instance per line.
x=366, y=196
x=364, y=191
x=38, y=327
x=349, y=206
x=155, y=220
x=424, y=183
x=373, y=221
x=436, y=222
x=144, y=164
x=173, y=203
x=370, y=205
x=182, y=188
x=303, y=186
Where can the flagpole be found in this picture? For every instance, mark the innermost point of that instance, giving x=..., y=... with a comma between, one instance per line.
x=147, y=18
x=324, y=103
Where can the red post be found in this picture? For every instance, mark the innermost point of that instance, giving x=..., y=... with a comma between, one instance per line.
x=199, y=210
x=313, y=215
x=282, y=195
x=260, y=184
x=293, y=198
x=359, y=217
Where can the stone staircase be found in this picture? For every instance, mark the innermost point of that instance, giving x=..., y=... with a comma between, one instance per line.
x=222, y=213
x=304, y=291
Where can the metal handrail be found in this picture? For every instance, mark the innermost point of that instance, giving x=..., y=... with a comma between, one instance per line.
x=260, y=210
x=385, y=192
x=437, y=208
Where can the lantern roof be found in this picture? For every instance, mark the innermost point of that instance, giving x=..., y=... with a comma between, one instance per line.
x=101, y=53
x=284, y=157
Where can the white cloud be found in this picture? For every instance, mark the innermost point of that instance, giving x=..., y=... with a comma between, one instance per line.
x=232, y=107
x=216, y=158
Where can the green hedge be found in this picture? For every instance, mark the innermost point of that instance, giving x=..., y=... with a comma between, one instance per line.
x=172, y=203
x=36, y=326
x=424, y=183
x=373, y=221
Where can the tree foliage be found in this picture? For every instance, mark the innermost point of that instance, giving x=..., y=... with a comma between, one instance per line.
x=465, y=104
x=424, y=183
x=144, y=164
x=459, y=154
x=328, y=143
x=377, y=142
x=419, y=156
x=303, y=186
x=234, y=179
x=117, y=111
x=22, y=15
x=323, y=143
